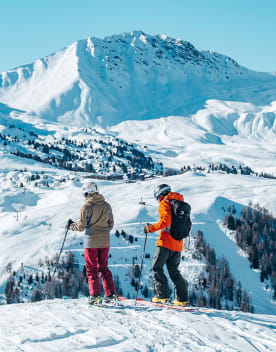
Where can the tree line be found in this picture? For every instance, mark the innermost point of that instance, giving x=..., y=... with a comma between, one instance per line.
x=216, y=286
x=255, y=234
x=113, y=157
x=216, y=167
x=68, y=281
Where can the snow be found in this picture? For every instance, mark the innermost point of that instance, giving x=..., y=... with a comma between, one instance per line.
x=143, y=38
x=68, y=325
x=130, y=76
x=43, y=212
x=225, y=247
x=90, y=45
x=207, y=117
x=223, y=131
x=45, y=80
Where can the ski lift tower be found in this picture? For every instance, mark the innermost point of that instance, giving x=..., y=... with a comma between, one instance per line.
x=142, y=202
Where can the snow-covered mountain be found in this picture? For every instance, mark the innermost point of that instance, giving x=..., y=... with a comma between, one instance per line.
x=184, y=105
x=130, y=76
x=157, y=99
x=222, y=131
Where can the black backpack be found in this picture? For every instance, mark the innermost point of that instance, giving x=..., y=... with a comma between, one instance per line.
x=181, y=221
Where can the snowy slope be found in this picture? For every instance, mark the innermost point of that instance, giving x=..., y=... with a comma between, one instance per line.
x=222, y=131
x=130, y=76
x=72, y=326
x=44, y=206
x=43, y=212
x=78, y=149
x=214, y=111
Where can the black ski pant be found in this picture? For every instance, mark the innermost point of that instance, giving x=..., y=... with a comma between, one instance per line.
x=172, y=260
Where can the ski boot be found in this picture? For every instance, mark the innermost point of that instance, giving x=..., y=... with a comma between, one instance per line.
x=156, y=299
x=95, y=300
x=112, y=299
x=176, y=302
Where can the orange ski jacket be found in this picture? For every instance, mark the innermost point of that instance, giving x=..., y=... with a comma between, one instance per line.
x=165, y=239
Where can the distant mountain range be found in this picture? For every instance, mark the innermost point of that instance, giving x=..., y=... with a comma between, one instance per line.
x=131, y=76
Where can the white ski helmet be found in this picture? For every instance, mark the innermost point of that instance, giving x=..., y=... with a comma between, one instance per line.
x=89, y=187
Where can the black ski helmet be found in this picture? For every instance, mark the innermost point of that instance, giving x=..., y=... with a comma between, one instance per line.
x=161, y=190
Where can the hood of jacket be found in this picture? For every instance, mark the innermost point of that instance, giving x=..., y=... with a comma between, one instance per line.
x=94, y=198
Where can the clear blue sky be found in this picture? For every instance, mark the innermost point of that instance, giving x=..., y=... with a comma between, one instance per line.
x=242, y=29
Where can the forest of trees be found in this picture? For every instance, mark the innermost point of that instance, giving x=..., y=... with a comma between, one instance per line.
x=255, y=234
x=216, y=286
x=69, y=280
x=243, y=170
x=94, y=155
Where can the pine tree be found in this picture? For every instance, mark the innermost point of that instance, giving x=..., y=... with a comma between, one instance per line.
x=16, y=295
x=200, y=300
x=117, y=284
x=136, y=271
x=238, y=294
x=192, y=296
x=70, y=261
x=49, y=277
x=30, y=279
x=253, y=257
x=9, y=291
x=9, y=268
x=145, y=291
x=36, y=295
x=231, y=222
x=244, y=305
x=36, y=277
x=65, y=285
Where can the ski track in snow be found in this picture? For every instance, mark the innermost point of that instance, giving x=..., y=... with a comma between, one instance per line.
x=71, y=325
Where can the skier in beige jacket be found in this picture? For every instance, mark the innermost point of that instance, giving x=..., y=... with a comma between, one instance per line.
x=96, y=219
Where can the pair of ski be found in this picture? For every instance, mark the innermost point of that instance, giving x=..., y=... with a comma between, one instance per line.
x=139, y=303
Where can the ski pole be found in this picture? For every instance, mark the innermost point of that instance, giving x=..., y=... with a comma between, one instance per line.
x=61, y=249
x=140, y=274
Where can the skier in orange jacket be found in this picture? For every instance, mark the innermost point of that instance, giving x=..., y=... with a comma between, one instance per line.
x=168, y=250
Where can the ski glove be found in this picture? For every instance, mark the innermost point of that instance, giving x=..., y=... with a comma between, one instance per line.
x=69, y=223
x=146, y=228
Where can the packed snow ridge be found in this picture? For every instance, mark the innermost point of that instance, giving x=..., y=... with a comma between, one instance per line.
x=130, y=76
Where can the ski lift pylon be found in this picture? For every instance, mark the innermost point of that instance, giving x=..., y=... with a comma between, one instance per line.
x=142, y=202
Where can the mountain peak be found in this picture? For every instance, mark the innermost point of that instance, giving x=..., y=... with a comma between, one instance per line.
x=129, y=76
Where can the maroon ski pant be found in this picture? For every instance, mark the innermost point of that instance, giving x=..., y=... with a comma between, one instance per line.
x=96, y=261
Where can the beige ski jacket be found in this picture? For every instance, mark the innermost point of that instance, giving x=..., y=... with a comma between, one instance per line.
x=96, y=219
